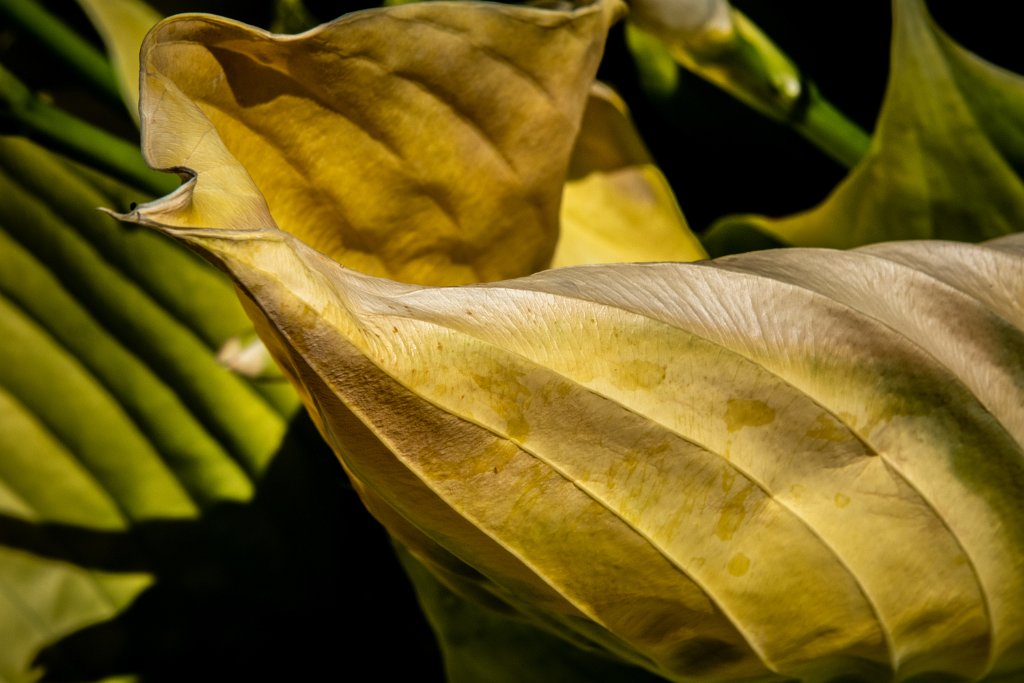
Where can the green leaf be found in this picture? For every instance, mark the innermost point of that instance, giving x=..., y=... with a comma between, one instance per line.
x=657, y=71
x=130, y=442
x=945, y=161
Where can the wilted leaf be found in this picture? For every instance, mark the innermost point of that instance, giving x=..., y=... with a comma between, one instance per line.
x=425, y=143
x=945, y=161
x=617, y=205
x=768, y=463
x=797, y=464
x=122, y=24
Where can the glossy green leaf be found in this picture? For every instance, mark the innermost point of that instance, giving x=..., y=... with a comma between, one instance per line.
x=945, y=161
x=134, y=438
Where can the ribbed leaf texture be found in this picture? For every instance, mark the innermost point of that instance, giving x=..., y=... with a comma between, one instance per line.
x=796, y=464
x=802, y=462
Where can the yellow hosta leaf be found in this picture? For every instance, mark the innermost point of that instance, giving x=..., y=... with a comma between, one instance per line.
x=799, y=464
x=123, y=24
x=427, y=143
x=617, y=205
x=789, y=464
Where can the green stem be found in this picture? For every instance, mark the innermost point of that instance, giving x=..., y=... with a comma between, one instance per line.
x=747, y=64
x=778, y=88
x=54, y=127
x=833, y=133
x=63, y=42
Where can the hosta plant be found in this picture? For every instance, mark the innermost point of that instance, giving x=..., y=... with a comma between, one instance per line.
x=798, y=464
x=786, y=465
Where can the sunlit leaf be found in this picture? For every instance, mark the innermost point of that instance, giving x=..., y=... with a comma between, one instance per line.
x=84, y=318
x=617, y=205
x=427, y=143
x=691, y=466
x=945, y=161
x=122, y=24
x=797, y=464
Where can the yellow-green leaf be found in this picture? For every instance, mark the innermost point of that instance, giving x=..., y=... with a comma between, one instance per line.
x=617, y=205
x=802, y=464
x=122, y=24
x=945, y=160
x=428, y=143
x=795, y=463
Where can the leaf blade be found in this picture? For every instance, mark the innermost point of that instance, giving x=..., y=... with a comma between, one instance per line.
x=479, y=161
x=498, y=358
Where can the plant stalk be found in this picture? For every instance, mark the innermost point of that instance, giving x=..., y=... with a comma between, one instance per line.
x=737, y=56
x=827, y=128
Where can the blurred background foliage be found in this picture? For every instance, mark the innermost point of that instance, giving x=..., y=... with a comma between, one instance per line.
x=293, y=579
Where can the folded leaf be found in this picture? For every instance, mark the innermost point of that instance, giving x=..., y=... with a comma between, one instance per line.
x=771, y=464
x=945, y=161
x=427, y=143
x=617, y=205
x=799, y=464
